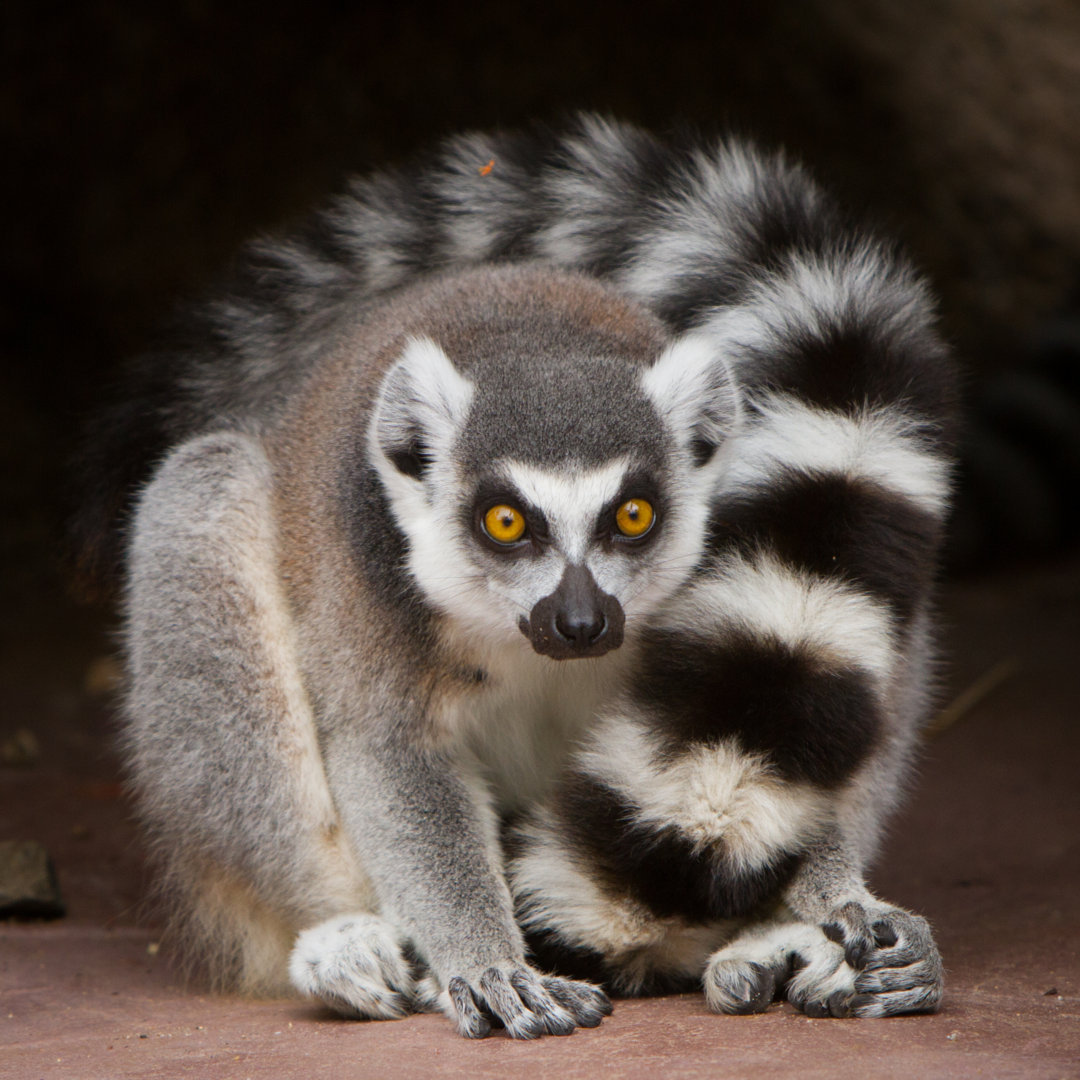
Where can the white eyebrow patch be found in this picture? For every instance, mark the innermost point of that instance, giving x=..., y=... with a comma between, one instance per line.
x=570, y=497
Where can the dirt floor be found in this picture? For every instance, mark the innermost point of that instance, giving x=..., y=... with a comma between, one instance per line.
x=987, y=848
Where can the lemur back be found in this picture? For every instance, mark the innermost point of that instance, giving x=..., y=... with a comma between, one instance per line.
x=599, y=490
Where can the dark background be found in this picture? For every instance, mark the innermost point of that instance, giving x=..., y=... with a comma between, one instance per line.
x=143, y=143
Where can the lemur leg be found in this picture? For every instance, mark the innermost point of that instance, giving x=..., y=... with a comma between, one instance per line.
x=223, y=751
x=841, y=952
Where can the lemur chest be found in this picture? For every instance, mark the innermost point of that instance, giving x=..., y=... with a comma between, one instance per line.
x=523, y=721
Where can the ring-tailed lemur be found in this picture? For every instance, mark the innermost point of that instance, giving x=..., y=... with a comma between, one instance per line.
x=572, y=480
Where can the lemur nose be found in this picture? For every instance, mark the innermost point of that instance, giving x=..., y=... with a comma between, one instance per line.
x=577, y=620
x=581, y=629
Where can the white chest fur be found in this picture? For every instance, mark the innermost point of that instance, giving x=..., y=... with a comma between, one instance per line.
x=520, y=725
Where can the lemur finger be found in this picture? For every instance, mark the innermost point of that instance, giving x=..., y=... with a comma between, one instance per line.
x=586, y=1003
x=838, y=1004
x=903, y=939
x=911, y=977
x=557, y=1020
x=470, y=1021
x=849, y=925
x=822, y=983
x=917, y=1000
x=885, y=934
x=505, y=1003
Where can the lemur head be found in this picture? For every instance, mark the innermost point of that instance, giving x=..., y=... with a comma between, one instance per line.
x=548, y=453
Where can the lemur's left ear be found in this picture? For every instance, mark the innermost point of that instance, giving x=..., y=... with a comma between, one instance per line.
x=421, y=406
x=692, y=386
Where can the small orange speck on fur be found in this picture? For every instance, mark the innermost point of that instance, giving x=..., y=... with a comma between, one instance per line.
x=485, y=169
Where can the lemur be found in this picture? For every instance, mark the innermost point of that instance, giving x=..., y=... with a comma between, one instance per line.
x=540, y=541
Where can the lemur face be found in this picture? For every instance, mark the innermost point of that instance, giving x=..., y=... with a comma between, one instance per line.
x=552, y=488
x=568, y=549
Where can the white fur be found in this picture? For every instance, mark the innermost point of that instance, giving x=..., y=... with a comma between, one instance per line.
x=816, y=291
x=422, y=390
x=765, y=597
x=710, y=794
x=354, y=964
x=878, y=445
x=521, y=725
x=812, y=293
x=692, y=388
x=425, y=391
x=570, y=497
x=692, y=234
x=572, y=898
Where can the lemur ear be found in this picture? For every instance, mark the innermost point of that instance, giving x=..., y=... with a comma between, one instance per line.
x=692, y=387
x=423, y=401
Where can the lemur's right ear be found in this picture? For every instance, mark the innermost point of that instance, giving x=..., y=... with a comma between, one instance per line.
x=692, y=386
x=421, y=406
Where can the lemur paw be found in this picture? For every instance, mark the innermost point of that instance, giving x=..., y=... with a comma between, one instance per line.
x=764, y=963
x=357, y=965
x=898, y=967
x=524, y=1002
x=744, y=986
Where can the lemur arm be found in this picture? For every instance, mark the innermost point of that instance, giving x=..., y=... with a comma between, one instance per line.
x=829, y=875
x=429, y=841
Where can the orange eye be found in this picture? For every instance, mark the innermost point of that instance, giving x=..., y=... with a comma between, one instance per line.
x=504, y=524
x=634, y=518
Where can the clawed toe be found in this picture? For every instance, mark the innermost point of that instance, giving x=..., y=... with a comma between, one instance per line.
x=525, y=1003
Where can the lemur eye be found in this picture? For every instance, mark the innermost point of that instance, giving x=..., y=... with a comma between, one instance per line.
x=634, y=518
x=504, y=524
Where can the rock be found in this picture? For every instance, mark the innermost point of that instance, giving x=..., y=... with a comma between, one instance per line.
x=28, y=885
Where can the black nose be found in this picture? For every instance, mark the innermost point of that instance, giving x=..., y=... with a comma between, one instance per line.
x=578, y=619
x=581, y=628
